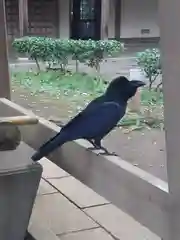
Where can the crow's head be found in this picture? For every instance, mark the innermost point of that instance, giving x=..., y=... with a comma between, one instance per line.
x=123, y=89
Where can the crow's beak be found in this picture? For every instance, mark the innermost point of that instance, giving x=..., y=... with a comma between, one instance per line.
x=137, y=83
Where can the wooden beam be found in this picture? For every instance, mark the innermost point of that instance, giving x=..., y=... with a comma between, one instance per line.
x=170, y=50
x=105, y=8
x=5, y=90
x=23, y=17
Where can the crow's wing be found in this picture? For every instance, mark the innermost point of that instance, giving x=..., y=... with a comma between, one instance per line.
x=91, y=105
x=95, y=122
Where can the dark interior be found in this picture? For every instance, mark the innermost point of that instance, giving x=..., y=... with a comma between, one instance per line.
x=85, y=19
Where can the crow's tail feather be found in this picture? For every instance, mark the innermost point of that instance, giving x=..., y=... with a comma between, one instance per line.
x=48, y=147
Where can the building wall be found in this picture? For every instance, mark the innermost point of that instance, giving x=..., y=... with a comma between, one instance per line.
x=43, y=18
x=137, y=15
x=12, y=19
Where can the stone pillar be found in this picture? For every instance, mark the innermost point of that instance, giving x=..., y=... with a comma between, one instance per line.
x=23, y=17
x=135, y=103
x=105, y=10
x=5, y=90
x=19, y=181
x=170, y=53
x=64, y=19
x=117, y=20
x=111, y=22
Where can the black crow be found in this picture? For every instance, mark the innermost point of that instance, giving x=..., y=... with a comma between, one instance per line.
x=97, y=119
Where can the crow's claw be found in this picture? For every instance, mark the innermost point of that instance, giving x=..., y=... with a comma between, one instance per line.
x=92, y=148
x=99, y=147
x=109, y=154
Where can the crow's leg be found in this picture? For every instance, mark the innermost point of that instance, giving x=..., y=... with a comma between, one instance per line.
x=95, y=146
x=106, y=152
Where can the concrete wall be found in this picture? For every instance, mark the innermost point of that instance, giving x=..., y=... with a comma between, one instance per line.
x=137, y=15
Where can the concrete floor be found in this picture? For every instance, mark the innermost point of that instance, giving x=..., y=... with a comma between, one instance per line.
x=71, y=211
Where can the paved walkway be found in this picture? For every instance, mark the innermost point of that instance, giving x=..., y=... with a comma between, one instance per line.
x=110, y=68
x=68, y=210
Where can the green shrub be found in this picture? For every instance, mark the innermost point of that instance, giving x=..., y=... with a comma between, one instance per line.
x=61, y=53
x=21, y=45
x=150, y=63
x=57, y=51
x=97, y=50
x=39, y=49
x=78, y=48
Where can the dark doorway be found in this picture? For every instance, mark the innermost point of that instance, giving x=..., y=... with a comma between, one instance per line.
x=86, y=19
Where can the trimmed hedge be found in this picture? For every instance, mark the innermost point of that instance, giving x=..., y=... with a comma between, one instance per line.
x=58, y=52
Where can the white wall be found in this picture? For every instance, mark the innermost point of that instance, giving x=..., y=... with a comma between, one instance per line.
x=137, y=15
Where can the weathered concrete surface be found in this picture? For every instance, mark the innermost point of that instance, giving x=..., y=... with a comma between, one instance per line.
x=59, y=216
x=80, y=194
x=19, y=180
